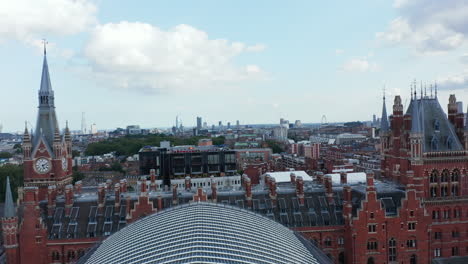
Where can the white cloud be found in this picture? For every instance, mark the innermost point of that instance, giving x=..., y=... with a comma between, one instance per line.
x=143, y=57
x=31, y=20
x=454, y=81
x=430, y=26
x=359, y=65
x=256, y=48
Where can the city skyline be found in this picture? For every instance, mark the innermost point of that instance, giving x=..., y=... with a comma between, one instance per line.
x=253, y=62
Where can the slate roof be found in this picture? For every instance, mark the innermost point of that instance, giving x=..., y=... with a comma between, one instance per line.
x=9, y=208
x=85, y=220
x=438, y=133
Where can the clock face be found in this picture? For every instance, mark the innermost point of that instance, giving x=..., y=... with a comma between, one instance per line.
x=64, y=164
x=42, y=165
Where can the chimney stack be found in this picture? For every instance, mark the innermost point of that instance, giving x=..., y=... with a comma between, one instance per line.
x=117, y=198
x=128, y=208
x=153, y=186
x=343, y=177
x=293, y=178
x=328, y=188
x=78, y=186
x=248, y=192
x=123, y=186
x=143, y=186
x=300, y=189
x=160, y=202
x=101, y=197
x=348, y=204
x=214, y=194
x=68, y=199
x=273, y=195
x=174, y=194
x=188, y=183
x=370, y=181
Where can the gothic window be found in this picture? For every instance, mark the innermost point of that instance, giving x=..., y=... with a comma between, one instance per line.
x=392, y=247
x=435, y=214
x=433, y=191
x=372, y=228
x=341, y=258
x=447, y=214
x=445, y=176
x=55, y=255
x=341, y=241
x=437, y=235
x=454, y=190
x=433, y=177
x=454, y=251
x=444, y=191
x=413, y=259
x=455, y=175
x=437, y=252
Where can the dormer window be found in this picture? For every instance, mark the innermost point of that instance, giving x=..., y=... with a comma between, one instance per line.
x=436, y=125
x=450, y=142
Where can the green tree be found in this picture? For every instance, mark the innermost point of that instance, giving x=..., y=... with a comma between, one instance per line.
x=5, y=155
x=15, y=172
x=275, y=146
x=219, y=140
x=77, y=175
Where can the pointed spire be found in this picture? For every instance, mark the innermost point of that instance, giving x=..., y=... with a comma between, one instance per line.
x=384, y=120
x=46, y=86
x=57, y=135
x=411, y=93
x=9, y=210
x=26, y=136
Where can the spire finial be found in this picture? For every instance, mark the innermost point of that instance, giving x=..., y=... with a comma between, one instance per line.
x=421, y=88
x=26, y=125
x=425, y=89
x=384, y=92
x=431, y=90
x=44, y=42
x=435, y=89
x=411, y=93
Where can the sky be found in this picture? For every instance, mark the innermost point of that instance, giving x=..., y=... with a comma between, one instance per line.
x=144, y=62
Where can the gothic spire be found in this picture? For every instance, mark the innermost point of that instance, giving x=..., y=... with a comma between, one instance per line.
x=9, y=210
x=384, y=120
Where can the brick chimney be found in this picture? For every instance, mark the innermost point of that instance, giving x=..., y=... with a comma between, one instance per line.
x=128, y=208
x=51, y=199
x=300, y=189
x=68, y=199
x=78, y=186
x=273, y=194
x=343, y=177
x=143, y=186
x=117, y=198
x=101, y=197
x=160, y=203
x=174, y=194
x=123, y=186
x=370, y=181
x=293, y=177
x=214, y=191
x=153, y=186
x=188, y=183
x=109, y=185
x=248, y=192
x=348, y=204
x=328, y=188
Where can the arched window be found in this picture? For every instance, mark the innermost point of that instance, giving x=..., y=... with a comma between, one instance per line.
x=434, y=144
x=341, y=258
x=444, y=176
x=455, y=175
x=411, y=242
x=450, y=142
x=413, y=259
x=433, y=190
x=392, y=247
x=454, y=189
x=55, y=255
x=443, y=190
x=436, y=125
x=433, y=177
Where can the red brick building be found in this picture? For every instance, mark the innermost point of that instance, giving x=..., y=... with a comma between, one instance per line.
x=418, y=211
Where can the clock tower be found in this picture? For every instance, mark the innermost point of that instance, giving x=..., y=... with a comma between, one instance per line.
x=47, y=153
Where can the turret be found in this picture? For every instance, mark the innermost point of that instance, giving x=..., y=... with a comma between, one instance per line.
x=10, y=226
x=452, y=109
x=188, y=183
x=26, y=144
x=68, y=141
x=101, y=197
x=153, y=186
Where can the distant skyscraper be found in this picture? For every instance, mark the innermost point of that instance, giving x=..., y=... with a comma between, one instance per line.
x=237, y=124
x=205, y=125
x=199, y=122
x=229, y=125
x=298, y=123
x=93, y=129
x=220, y=124
x=83, y=123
